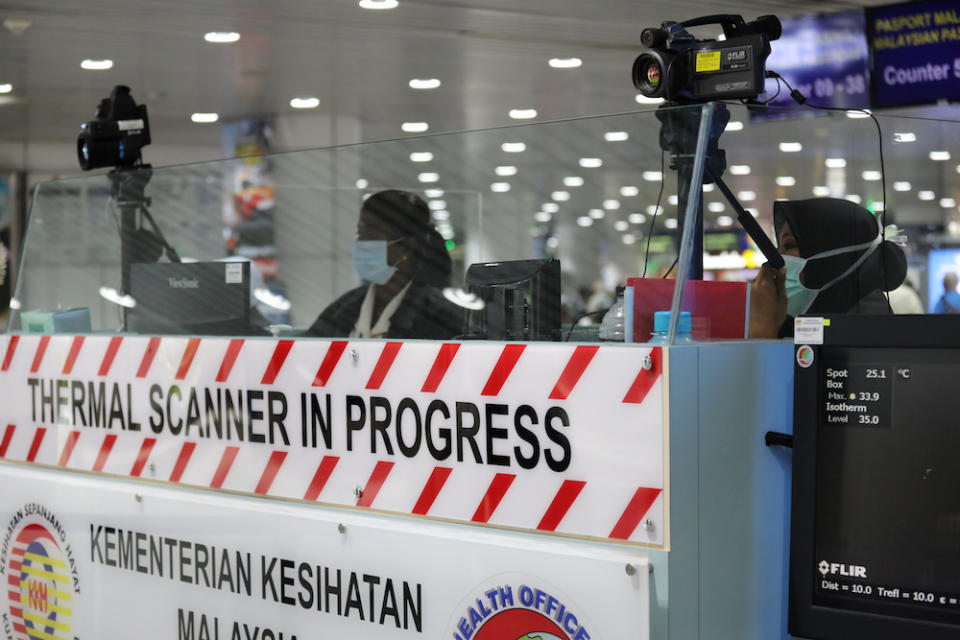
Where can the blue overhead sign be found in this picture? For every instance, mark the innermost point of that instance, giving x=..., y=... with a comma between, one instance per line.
x=825, y=57
x=916, y=52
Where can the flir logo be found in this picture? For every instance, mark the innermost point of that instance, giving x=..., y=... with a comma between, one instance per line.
x=846, y=570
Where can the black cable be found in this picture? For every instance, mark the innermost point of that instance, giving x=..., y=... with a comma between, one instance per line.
x=801, y=99
x=580, y=317
x=670, y=270
x=653, y=219
x=779, y=88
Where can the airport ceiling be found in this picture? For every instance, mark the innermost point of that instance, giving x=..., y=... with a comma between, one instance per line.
x=490, y=55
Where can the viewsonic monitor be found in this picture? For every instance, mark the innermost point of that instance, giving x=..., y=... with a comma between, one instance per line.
x=875, y=533
x=190, y=298
x=521, y=300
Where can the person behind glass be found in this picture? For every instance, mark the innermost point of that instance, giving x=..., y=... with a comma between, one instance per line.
x=949, y=302
x=404, y=264
x=837, y=262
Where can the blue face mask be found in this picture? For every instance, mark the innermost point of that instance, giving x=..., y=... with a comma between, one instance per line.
x=800, y=297
x=370, y=260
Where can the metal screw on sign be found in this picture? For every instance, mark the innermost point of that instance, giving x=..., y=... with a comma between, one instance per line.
x=630, y=569
x=342, y=528
x=354, y=356
x=357, y=492
x=153, y=469
x=648, y=524
x=647, y=363
x=138, y=497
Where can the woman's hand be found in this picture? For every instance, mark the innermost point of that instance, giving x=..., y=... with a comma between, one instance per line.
x=768, y=302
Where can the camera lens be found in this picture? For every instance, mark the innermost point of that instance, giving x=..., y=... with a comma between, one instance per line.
x=653, y=75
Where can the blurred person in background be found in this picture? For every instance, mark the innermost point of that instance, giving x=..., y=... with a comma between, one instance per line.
x=949, y=302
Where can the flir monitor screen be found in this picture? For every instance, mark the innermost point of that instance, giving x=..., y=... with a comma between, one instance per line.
x=876, y=517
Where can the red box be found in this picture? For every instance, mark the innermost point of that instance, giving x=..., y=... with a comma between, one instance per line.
x=718, y=310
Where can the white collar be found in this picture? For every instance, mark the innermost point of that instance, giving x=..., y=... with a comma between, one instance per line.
x=363, y=328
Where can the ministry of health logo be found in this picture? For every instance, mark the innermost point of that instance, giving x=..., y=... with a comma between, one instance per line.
x=41, y=577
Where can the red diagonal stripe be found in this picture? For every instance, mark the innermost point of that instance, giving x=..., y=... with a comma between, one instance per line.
x=152, y=347
x=330, y=360
x=229, y=358
x=72, y=355
x=432, y=489
x=11, y=347
x=387, y=356
x=192, y=345
x=644, y=381
x=571, y=373
x=491, y=500
x=38, y=356
x=13, y=581
x=35, y=445
x=185, y=452
x=111, y=353
x=379, y=475
x=638, y=507
x=7, y=437
x=17, y=611
x=440, y=366
x=279, y=356
x=142, y=457
x=320, y=477
x=20, y=628
x=16, y=565
x=562, y=502
x=508, y=359
x=68, y=448
x=229, y=455
x=105, y=450
x=270, y=472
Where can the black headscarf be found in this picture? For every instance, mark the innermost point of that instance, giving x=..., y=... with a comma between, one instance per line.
x=822, y=224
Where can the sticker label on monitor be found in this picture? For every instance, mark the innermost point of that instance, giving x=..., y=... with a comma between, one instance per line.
x=808, y=331
x=234, y=273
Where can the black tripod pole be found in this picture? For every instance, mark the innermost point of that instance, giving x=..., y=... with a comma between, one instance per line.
x=750, y=226
x=127, y=190
x=684, y=180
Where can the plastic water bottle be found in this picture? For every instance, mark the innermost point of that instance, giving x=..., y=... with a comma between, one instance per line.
x=611, y=327
x=661, y=326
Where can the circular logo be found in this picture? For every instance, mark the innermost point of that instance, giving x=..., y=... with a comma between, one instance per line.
x=40, y=586
x=520, y=624
x=804, y=356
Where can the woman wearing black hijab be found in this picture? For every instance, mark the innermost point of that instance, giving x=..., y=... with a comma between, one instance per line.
x=404, y=264
x=837, y=263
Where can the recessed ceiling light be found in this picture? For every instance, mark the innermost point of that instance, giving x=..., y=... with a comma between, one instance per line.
x=221, y=37
x=673, y=199
x=513, y=147
x=584, y=221
x=752, y=211
x=362, y=183
x=852, y=197
x=505, y=170
x=550, y=207
x=616, y=136
x=879, y=206
x=786, y=181
x=500, y=187
x=424, y=83
x=926, y=195
x=740, y=170
x=421, y=156
x=552, y=242
x=428, y=177
x=642, y=99
x=543, y=216
x=670, y=223
x=902, y=186
x=621, y=225
x=790, y=147
x=441, y=215
x=734, y=125
x=433, y=193
x=591, y=163
x=636, y=218
x=629, y=191
x=560, y=196
x=378, y=4
x=948, y=203
x=653, y=176
x=629, y=238
x=654, y=210
x=597, y=214
x=939, y=156
x=96, y=65
x=204, y=118
x=858, y=113
x=611, y=205
x=305, y=103
x=835, y=163
x=905, y=137
x=747, y=196
x=523, y=114
x=565, y=63
x=437, y=205
x=717, y=207
x=724, y=221
x=871, y=176
x=6, y=88
x=414, y=127
x=821, y=191
x=707, y=188
x=573, y=181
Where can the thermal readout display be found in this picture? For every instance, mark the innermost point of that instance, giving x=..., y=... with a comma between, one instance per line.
x=887, y=530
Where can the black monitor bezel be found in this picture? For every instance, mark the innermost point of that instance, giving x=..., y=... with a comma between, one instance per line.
x=538, y=270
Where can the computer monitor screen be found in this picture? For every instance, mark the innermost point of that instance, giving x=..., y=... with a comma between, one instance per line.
x=876, y=514
x=191, y=298
x=521, y=300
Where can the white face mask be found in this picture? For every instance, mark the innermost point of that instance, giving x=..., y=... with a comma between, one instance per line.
x=370, y=260
x=800, y=297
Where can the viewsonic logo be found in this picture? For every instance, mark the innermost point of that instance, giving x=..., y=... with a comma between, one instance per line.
x=845, y=570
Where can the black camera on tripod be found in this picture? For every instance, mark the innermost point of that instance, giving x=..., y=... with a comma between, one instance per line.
x=117, y=133
x=682, y=69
